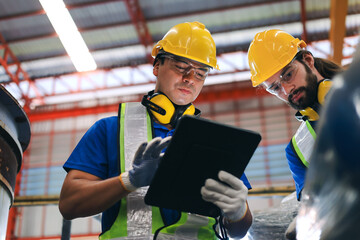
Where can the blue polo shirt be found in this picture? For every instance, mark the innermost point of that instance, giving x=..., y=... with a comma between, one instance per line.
x=297, y=168
x=96, y=153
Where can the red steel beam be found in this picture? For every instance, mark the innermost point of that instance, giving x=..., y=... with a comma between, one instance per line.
x=22, y=15
x=303, y=20
x=80, y=78
x=105, y=72
x=209, y=94
x=138, y=19
x=19, y=74
x=99, y=88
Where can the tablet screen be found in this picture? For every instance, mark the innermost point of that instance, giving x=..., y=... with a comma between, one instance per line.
x=199, y=149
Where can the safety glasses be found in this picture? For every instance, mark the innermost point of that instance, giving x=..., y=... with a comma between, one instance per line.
x=181, y=66
x=287, y=76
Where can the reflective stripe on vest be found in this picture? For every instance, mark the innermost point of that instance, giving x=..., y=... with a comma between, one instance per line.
x=190, y=226
x=135, y=219
x=303, y=142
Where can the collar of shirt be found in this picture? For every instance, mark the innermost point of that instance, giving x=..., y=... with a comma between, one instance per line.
x=161, y=131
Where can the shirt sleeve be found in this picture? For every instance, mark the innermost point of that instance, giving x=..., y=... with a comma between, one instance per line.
x=297, y=168
x=245, y=181
x=90, y=153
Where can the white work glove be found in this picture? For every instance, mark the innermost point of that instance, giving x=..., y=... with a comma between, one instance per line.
x=145, y=163
x=230, y=199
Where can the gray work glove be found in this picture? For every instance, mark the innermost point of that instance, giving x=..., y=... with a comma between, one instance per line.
x=145, y=164
x=230, y=199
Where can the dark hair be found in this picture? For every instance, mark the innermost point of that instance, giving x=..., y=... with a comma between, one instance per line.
x=328, y=69
x=160, y=57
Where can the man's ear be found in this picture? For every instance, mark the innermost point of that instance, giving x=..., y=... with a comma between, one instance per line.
x=309, y=60
x=156, y=69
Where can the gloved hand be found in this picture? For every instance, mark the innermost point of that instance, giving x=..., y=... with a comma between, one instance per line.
x=145, y=163
x=230, y=199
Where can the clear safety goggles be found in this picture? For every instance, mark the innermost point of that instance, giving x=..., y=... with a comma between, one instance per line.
x=184, y=67
x=287, y=75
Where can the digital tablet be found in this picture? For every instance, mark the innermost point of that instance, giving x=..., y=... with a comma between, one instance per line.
x=198, y=150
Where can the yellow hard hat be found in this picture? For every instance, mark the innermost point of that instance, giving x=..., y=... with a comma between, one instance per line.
x=269, y=52
x=190, y=40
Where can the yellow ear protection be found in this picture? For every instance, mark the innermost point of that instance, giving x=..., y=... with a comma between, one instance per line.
x=165, y=111
x=323, y=89
x=311, y=113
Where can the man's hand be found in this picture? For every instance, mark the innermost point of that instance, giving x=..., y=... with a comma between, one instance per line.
x=145, y=163
x=230, y=199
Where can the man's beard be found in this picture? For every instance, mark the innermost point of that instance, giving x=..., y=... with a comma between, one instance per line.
x=310, y=90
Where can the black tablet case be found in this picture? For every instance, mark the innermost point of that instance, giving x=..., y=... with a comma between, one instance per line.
x=199, y=149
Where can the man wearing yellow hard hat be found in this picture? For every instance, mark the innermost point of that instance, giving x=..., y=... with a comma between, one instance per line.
x=108, y=175
x=279, y=63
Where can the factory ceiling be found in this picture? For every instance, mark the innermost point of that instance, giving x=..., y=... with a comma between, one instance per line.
x=120, y=34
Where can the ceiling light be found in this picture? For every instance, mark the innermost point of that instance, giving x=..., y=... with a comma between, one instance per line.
x=69, y=35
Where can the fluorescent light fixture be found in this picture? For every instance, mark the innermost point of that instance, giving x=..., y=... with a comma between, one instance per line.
x=69, y=35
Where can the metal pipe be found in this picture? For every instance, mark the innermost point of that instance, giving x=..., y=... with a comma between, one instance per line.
x=66, y=229
x=14, y=139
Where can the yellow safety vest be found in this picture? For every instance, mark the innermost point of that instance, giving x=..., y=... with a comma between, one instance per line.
x=303, y=142
x=135, y=219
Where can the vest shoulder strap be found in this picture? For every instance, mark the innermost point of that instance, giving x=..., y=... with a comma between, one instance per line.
x=303, y=142
x=134, y=128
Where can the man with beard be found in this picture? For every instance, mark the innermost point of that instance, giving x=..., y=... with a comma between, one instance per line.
x=279, y=63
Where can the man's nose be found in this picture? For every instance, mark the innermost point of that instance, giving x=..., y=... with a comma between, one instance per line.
x=189, y=75
x=286, y=88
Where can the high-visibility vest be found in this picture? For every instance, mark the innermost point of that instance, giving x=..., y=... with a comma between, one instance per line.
x=135, y=219
x=303, y=142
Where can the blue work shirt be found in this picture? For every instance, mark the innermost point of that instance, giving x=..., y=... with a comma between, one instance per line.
x=96, y=153
x=297, y=168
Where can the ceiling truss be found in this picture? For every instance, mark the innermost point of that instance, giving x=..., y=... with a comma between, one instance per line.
x=36, y=93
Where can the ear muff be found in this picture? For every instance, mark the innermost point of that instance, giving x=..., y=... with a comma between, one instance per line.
x=310, y=114
x=165, y=103
x=164, y=110
x=323, y=89
x=180, y=111
x=189, y=110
